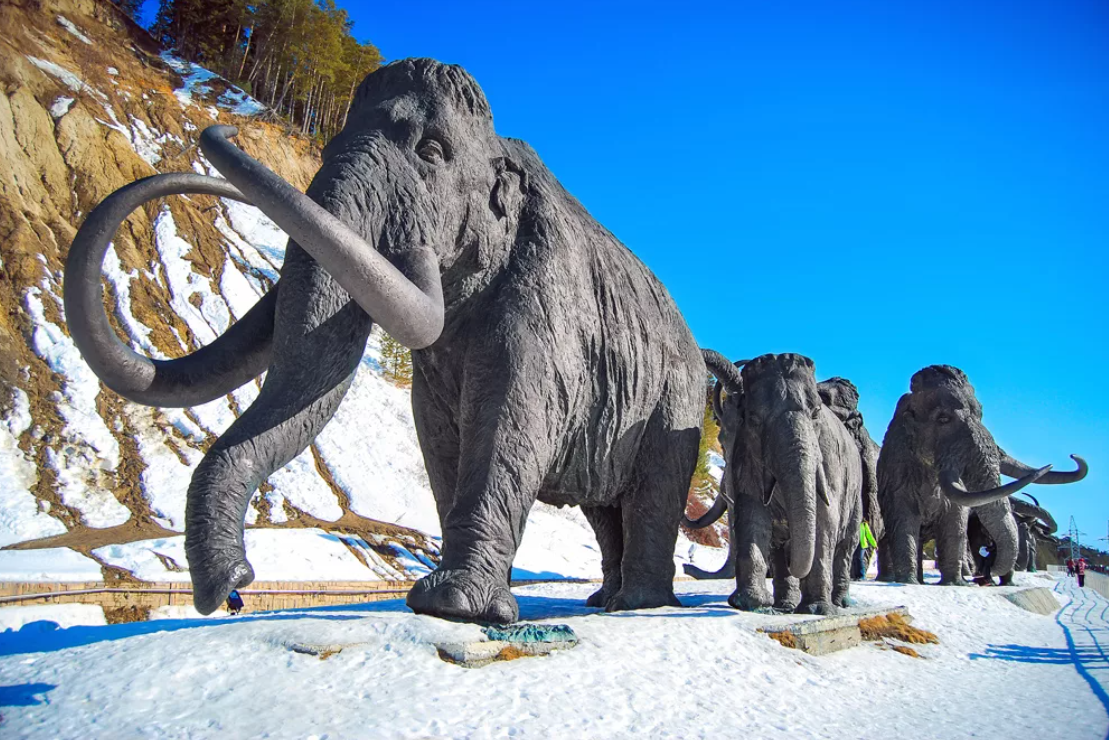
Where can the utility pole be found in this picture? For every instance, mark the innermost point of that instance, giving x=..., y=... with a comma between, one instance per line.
x=1075, y=546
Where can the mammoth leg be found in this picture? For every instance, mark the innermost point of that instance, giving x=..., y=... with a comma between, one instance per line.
x=438, y=437
x=503, y=455
x=951, y=544
x=652, y=511
x=608, y=526
x=885, y=559
x=816, y=587
x=751, y=532
x=319, y=339
x=904, y=533
x=997, y=520
x=787, y=589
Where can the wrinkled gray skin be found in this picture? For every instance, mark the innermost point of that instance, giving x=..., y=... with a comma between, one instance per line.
x=936, y=448
x=549, y=362
x=795, y=475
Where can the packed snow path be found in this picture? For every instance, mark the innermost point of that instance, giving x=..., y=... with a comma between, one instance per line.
x=1085, y=621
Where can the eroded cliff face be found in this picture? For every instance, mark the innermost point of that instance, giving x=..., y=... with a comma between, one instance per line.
x=89, y=105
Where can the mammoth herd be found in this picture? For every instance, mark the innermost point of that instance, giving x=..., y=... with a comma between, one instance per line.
x=549, y=364
x=800, y=464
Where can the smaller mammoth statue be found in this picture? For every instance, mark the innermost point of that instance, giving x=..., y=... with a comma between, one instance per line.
x=936, y=446
x=842, y=397
x=1033, y=522
x=794, y=475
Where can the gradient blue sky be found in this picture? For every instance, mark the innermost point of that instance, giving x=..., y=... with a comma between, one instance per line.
x=880, y=186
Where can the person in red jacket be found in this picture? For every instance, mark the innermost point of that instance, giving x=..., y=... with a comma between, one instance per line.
x=1070, y=567
x=1080, y=571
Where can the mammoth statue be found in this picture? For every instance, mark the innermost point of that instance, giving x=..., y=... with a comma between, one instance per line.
x=795, y=478
x=1033, y=522
x=549, y=363
x=842, y=399
x=935, y=447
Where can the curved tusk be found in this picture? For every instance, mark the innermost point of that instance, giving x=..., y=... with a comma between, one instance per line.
x=1014, y=468
x=408, y=306
x=952, y=486
x=724, y=370
x=237, y=356
x=719, y=506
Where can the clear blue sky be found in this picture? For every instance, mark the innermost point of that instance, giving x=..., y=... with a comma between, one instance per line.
x=880, y=186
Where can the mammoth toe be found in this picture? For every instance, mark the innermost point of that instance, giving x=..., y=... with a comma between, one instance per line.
x=215, y=581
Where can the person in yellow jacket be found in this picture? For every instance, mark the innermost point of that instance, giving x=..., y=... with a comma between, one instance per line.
x=867, y=546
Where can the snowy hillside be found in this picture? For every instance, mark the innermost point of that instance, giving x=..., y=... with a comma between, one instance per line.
x=92, y=486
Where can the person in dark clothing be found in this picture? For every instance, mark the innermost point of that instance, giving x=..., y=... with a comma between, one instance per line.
x=1080, y=571
x=234, y=603
x=1070, y=567
x=988, y=556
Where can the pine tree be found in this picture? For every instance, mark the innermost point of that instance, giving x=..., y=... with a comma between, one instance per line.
x=396, y=359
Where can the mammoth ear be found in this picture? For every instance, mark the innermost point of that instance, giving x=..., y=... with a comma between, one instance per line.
x=509, y=188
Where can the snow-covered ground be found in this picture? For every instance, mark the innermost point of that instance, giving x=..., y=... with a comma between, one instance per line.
x=701, y=671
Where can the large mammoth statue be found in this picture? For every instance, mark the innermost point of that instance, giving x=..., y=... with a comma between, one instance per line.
x=549, y=363
x=795, y=479
x=936, y=446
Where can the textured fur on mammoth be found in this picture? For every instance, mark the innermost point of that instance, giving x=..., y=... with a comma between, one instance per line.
x=935, y=448
x=549, y=363
x=795, y=477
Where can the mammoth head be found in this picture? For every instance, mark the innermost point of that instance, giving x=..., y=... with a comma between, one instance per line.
x=419, y=164
x=939, y=424
x=842, y=398
x=417, y=202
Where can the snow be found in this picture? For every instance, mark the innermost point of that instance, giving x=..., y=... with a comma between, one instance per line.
x=701, y=671
x=275, y=554
x=193, y=78
x=60, y=107
x=55, y=564
x=21, y=517
x=89, y=446
x=240, y=103
x=49, y=617
x=69, y=26
x=67, y=78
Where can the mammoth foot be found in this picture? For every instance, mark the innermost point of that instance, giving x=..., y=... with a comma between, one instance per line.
x=463, y=596
x=216, y=576
x=750, y=602
x=955, y=582
x=846, y=601
x=599, y=598
x=641, y=598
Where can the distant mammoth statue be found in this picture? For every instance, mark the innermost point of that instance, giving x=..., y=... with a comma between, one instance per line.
x=842, y=399
x=1033, y=523
x=795, y=478
x=549, y=363
x=936, y=446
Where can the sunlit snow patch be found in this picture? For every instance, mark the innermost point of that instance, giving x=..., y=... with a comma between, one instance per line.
x=69, y=26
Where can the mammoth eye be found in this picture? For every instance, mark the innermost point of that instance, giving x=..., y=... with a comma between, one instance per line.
x=816, y=412
x=943, y=417
x=431, y=150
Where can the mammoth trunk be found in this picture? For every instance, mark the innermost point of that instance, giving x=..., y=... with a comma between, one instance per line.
x=795, y=457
